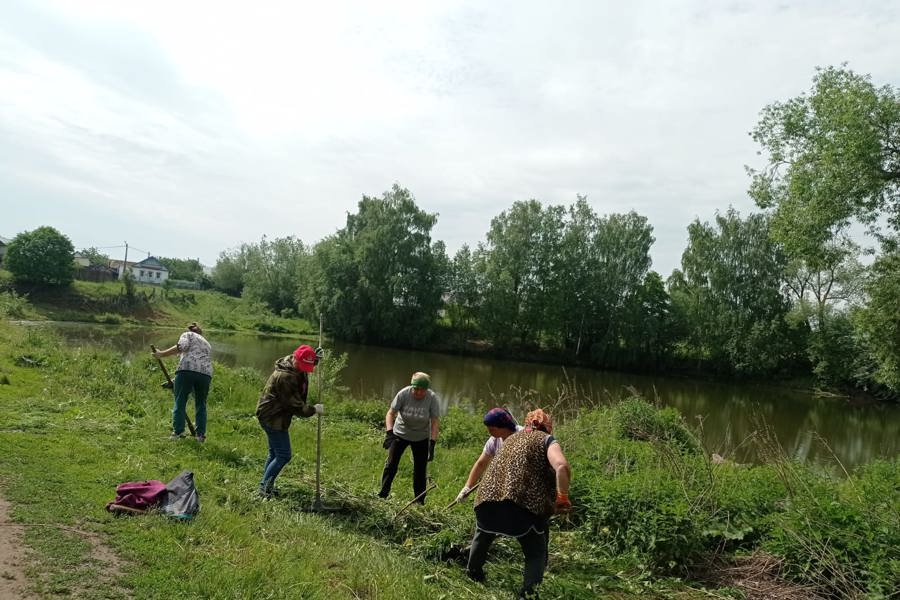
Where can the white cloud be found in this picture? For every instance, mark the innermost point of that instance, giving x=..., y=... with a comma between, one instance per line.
x=195, y=126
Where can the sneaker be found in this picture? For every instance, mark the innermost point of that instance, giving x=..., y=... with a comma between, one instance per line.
x=176, y=436
x=264, y=495
x=201, y=438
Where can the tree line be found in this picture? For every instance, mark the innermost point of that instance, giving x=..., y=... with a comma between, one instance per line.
x=779, y=292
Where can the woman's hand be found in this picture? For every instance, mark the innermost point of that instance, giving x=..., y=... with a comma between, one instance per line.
x=465, y=491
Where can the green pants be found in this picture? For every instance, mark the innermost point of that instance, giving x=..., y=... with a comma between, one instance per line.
x=185, y=383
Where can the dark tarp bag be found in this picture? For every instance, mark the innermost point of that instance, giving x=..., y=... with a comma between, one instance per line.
x=181, y=499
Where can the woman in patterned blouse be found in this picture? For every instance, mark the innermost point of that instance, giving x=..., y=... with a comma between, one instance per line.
x=194, y=373
x=525, y=483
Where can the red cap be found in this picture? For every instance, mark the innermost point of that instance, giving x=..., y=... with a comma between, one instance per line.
x=305, y=358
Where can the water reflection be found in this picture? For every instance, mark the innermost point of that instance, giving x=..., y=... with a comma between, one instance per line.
x=810, y=429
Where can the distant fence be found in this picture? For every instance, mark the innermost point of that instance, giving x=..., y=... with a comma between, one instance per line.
x=96, y=273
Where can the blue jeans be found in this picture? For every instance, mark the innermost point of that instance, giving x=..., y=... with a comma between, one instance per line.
x=279, y=456
x=186, y=382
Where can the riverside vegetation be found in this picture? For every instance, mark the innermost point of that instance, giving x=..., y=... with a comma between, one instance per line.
x=654, y=517
x=130, y=303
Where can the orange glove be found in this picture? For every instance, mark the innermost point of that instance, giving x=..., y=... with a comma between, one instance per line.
x=563, y=505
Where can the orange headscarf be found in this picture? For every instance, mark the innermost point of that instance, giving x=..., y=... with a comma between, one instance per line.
x=538, y=419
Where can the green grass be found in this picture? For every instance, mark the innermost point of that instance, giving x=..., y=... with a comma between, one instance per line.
x=152, y=305
x=74, y=424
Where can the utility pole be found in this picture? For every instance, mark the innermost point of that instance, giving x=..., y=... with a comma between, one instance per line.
x=124, y=262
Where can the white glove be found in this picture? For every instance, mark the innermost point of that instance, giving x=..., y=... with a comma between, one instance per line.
x=463, y=493
x=320, y=409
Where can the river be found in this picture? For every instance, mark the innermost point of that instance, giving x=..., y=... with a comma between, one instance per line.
x=811, y=429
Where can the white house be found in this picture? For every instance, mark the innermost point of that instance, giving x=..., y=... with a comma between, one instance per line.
x=149, y=270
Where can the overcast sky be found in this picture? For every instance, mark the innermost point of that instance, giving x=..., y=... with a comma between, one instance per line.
x=188, y=128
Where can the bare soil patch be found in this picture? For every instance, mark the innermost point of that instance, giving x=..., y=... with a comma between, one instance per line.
x=13, y=558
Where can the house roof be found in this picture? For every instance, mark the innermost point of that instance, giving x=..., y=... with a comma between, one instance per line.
x=151, y=263
x=4, y=241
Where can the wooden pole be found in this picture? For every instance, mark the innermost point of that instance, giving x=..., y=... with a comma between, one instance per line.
x=455, y=502
x=410, y=503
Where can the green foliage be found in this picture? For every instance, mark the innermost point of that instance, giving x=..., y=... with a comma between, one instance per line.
x=184, y=269
x=109, y=319
x=515, y=271
x=728, y=295
x=464, y=294
x=644, y=507
x=844, y=537
x=834, y=352
x=647, y=514
x=14, y=306
x=42, y=256
x=567, y=279
x=267, y=327
x=459, y=429
x=879, y=321
x=379, y=279
x=637, y=419
x=228, y=274
x=130, y=288
x=219, y=321
x=95, y=257
x=275, y=272
x=833, y=155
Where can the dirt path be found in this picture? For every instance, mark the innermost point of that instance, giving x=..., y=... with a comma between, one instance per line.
x=13, y=558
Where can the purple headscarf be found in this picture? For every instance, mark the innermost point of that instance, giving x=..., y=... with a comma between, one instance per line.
x=500, y=417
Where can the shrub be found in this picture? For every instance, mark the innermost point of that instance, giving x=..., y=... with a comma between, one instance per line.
x=266, y=327
x=644, y=513
x=458, y=428
x=637, y=419
x=844, y=537
x=41, y=256
x=109, y=319
x=221, y=322
x=370, y=412
x=13, y=306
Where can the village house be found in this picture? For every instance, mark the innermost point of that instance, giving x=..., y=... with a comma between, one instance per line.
x=149, y=270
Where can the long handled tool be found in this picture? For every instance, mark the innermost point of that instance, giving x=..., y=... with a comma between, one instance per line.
x=170, y=385
x=455, y=502
x=317, y=505
x=430, y=487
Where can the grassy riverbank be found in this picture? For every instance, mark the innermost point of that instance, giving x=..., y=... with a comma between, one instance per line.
x=147, y=305
x=654, y=516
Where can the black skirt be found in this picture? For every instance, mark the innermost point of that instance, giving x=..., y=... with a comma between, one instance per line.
x=508, y=518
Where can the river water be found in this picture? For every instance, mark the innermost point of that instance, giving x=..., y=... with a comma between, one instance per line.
x=815, y=430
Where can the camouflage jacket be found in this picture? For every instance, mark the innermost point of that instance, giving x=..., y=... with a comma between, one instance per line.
x=284, y=396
